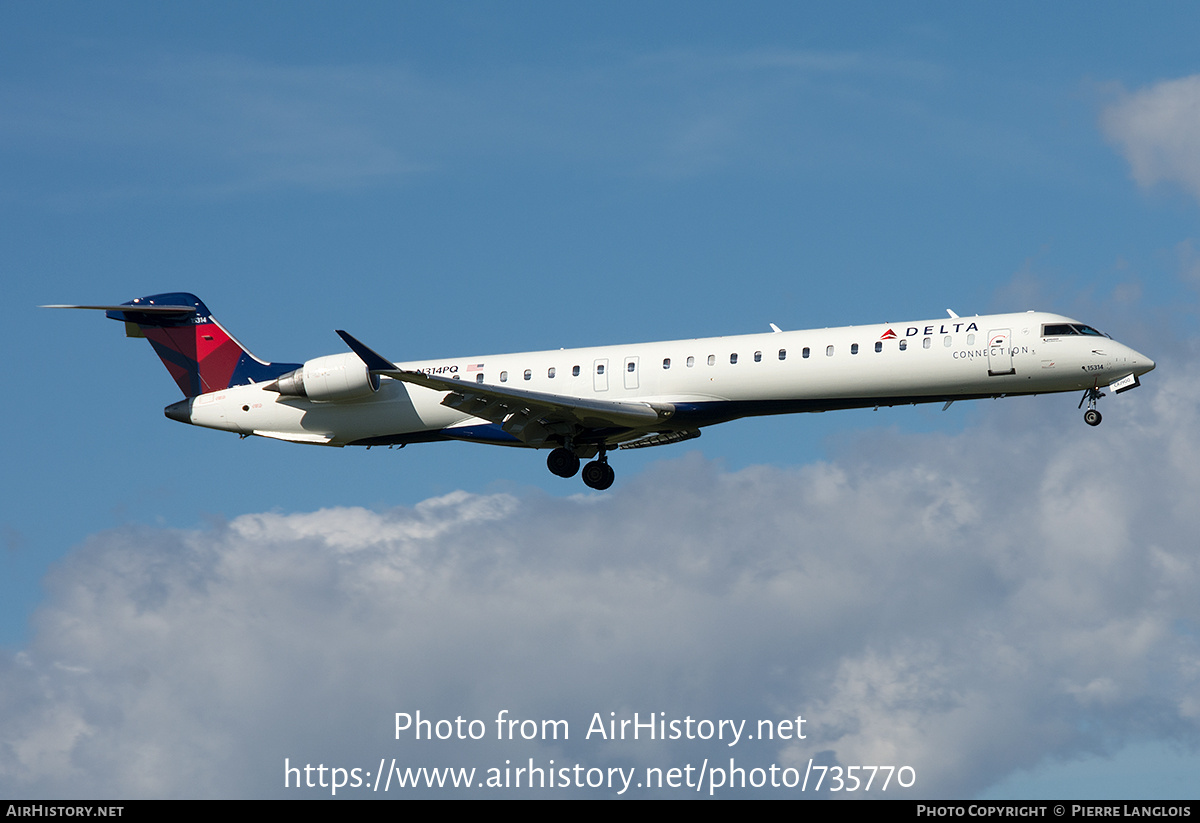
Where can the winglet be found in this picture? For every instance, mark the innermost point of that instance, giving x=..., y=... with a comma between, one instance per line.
x=375, y=361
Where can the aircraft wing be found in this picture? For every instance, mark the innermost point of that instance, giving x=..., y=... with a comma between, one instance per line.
x=532, y=417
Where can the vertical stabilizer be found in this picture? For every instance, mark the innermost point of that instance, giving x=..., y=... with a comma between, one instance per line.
x=195, y=348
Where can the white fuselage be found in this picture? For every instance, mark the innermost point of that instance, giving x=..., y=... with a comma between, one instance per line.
x=708, y=380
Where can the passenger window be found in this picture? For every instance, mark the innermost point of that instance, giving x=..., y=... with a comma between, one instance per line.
x=970, y=340
x=732, y=359
x=712, y=360
x=854, y=348
x=947, y=341
x=550, y=372
x=574, y=371
x=528, y=374
x=691, y=361
x=783, y=354
x=829, y=351
x=758, y=357
x=479, y=377
x=457, y=377
x=804, y=352
x=503, y=377
x=666, y=362
x=927, y=342
x=878, y=346
x=903, y=345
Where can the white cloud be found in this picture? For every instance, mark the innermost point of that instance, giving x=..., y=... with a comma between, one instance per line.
x=1158, y=130
x=968, y=605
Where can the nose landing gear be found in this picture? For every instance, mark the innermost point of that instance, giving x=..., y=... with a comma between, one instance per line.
x=1091, y=416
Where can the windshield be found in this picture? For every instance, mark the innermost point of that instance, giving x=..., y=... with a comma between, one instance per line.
x=1067, y=329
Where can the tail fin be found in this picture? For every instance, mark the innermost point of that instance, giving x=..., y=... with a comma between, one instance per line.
x=195, y=348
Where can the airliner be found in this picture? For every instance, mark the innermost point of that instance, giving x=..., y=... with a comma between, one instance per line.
x=581, y=404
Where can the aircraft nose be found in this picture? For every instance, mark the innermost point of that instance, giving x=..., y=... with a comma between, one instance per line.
x=1141, y=363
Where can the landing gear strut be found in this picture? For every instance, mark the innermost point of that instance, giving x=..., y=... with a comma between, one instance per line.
x=598, y=474
x=1091, y=416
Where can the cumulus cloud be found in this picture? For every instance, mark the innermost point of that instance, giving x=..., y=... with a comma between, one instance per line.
x=1158, y=130
x=968, y=605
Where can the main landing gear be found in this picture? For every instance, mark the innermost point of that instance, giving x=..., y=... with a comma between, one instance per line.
x=563, y=463
x=1091, y=416
x=597, y=474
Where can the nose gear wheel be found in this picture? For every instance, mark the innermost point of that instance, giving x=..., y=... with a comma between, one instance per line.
x=1091, y=416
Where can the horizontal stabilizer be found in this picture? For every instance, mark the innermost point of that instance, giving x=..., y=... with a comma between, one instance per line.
x=126, y=307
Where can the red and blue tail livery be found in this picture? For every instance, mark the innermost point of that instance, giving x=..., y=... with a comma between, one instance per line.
x=197, y=350
x=581, y=404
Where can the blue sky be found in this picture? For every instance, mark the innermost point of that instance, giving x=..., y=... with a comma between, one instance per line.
x=457, y=179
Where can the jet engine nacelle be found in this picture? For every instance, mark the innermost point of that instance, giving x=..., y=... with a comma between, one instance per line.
x=335, y=377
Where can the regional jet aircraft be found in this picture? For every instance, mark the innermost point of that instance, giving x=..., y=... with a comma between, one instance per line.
x=582, y=404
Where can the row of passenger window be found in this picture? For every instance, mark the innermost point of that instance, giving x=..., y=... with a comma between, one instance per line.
x=805, y=353
x=550, y=372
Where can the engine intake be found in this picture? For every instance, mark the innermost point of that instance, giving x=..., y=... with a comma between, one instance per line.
x=330, y=378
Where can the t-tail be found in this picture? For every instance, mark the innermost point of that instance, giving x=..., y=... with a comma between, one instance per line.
x=197, y=350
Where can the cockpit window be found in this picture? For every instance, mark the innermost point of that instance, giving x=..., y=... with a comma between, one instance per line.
x=1057, y=330
x=1067, y=329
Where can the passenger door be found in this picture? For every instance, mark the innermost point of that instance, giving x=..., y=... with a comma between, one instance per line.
x=1000, y=353
x=631, y=372
x=600, y=375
